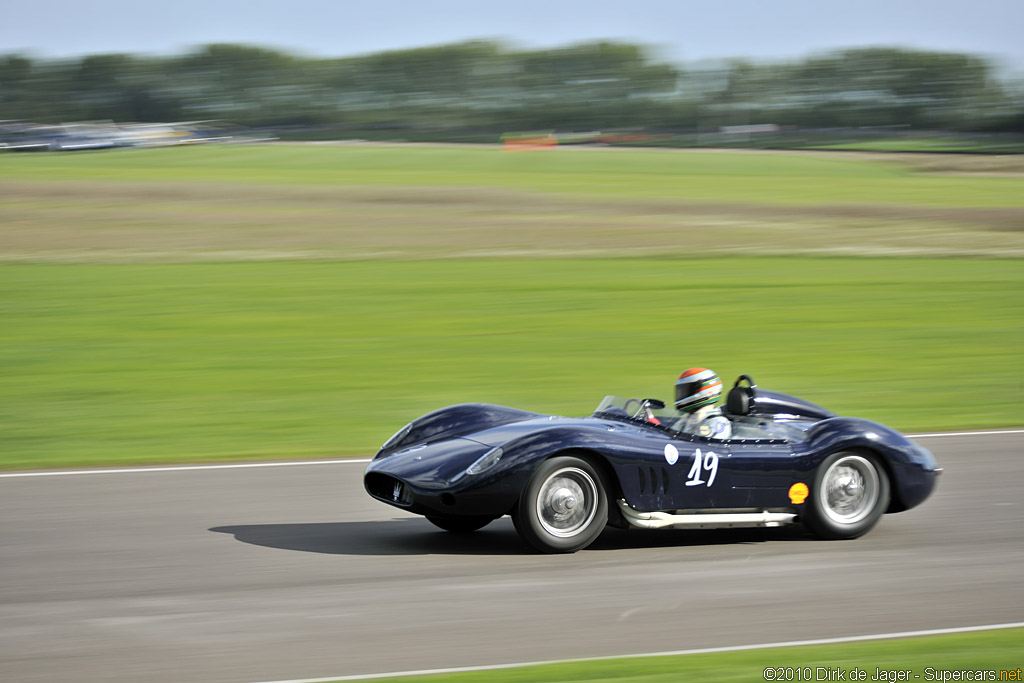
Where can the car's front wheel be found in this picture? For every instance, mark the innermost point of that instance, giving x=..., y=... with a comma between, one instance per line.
x=564, y=507
x=460, y=525
x=850, y=495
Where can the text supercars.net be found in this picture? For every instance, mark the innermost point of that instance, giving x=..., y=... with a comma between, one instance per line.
x=831, y=673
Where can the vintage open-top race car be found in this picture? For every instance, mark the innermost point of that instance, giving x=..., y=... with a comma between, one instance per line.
x=630, y=465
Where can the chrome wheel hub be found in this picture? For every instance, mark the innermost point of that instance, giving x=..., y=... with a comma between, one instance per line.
x=849, y=489
x=567, y=502
x=563, y=501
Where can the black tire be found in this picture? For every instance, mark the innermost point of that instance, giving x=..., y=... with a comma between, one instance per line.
x=460, y=525
x=564, y=507
x=849, y=496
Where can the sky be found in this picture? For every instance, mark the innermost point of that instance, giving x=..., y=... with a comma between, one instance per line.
x=679, y=31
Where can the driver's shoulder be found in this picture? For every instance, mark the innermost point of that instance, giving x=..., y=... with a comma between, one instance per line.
x=715, y=426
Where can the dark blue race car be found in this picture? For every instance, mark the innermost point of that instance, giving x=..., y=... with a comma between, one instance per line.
x=629, y=465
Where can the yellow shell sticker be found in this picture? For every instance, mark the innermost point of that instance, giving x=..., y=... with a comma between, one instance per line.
x=798, y=493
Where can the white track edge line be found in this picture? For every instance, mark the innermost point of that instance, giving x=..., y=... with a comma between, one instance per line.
x=994, y=432
x=343, y=461
x=673, y=653
x=184, y=468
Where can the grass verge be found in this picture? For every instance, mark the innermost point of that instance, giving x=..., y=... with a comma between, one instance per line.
x=933, y=658
x=108, y=364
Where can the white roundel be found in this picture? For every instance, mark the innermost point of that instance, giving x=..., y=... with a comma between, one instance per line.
x=671, y=454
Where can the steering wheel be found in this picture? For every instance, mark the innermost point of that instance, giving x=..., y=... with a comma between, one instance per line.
x=644, y=410
x=639, y=407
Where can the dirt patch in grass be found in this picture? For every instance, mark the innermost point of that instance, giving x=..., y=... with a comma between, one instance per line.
x=994, y=165
x=143, y=222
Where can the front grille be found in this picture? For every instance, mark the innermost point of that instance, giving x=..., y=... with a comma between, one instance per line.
x=388, y=488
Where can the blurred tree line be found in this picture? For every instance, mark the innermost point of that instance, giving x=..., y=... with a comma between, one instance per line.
x=488, y=86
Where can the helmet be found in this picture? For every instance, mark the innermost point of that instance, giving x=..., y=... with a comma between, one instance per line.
x=697, y=387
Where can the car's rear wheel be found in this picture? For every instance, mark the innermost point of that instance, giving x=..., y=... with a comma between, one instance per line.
x=460, y=525
x=564, y=507
x=850, y=495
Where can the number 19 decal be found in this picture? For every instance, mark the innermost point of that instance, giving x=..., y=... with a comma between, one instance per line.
x=701, y=464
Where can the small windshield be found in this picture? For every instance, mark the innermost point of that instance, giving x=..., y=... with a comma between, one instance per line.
x=637, y=409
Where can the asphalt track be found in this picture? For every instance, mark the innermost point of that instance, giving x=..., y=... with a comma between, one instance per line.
x=239, y=575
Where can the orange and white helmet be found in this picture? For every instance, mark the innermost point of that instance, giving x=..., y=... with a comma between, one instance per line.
x=697, y=387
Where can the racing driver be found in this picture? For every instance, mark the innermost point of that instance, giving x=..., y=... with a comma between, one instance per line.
x=697, y=391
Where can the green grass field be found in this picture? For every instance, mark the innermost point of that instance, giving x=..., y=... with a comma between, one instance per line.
x=346, y=202
x=937, y=144
x=933, y=658
x=228, y=303
x=712, y=175
x=158, y=363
